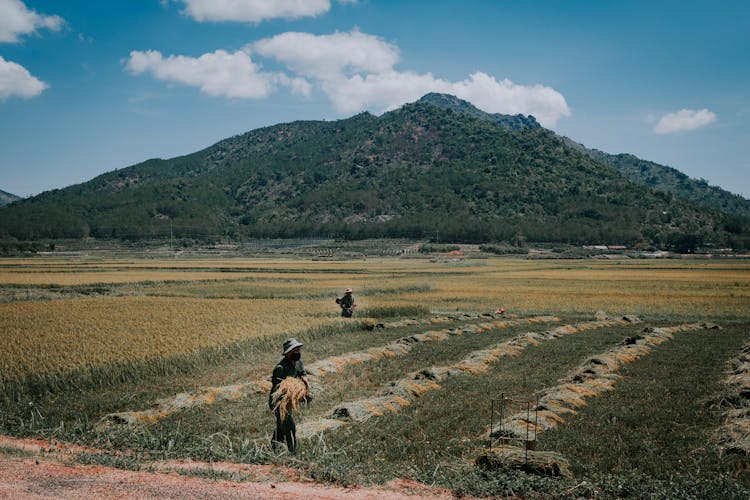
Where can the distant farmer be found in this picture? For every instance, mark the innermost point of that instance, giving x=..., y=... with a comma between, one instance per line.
x=287, y=392
x=347, y=304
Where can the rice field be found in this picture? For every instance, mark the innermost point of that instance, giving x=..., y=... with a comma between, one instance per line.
x=64, y=335
x=170, y=359
x=174, y=307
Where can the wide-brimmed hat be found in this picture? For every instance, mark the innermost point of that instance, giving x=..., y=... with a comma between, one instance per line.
x=291, y=344
x=348, y=290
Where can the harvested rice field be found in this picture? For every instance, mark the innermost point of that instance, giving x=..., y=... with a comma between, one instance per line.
x=485, y=377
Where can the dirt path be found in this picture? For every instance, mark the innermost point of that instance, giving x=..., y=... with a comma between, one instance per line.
x=41, y=471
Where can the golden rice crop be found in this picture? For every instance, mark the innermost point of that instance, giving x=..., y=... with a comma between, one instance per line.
x=57, y=336
x=98, y=277
x=703, y=291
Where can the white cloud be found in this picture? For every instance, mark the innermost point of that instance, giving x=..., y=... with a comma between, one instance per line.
x=217, y=74
x=684, y=119
x=16, y=19
x=504, y=96
x=253, y=11
x=16, y=81
x=329, y=56
x=356, y=71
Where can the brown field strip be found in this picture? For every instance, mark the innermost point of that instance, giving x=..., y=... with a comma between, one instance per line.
x=37, y=469
x=400, y=393
x=335, y=364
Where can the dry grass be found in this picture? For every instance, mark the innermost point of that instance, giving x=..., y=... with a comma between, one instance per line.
x=650, y=289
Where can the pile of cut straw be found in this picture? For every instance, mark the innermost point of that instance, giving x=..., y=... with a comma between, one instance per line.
x=542, y=463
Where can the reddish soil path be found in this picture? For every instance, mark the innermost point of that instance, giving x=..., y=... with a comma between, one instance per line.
x=43, y=471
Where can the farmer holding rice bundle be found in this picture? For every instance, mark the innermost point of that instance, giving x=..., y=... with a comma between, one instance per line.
x=347, y=303
x=289, y=386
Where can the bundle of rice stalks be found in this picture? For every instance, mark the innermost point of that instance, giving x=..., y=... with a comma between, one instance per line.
x=290, y=392
x=734, y=433
x=370, y=324
x=544, y=463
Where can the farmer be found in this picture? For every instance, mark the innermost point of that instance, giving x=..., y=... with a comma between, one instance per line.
x=289, y=366
x=347, y=304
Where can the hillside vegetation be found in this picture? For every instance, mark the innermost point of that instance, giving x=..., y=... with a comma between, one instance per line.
x=422, y=170
x=674, y=182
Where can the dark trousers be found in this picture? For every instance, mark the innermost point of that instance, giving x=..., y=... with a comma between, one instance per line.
x=286, y=432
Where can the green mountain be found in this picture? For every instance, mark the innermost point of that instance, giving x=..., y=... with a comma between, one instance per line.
x=6, y=198
x=422, y=169
x=654, y=175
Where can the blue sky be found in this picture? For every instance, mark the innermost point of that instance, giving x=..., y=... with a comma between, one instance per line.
x=89, y=86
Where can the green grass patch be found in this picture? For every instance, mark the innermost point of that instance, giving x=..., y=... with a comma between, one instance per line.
x=447, y=427
x=110, y=460
x=658, y=420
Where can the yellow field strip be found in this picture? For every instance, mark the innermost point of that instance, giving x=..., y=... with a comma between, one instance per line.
x=336, y=364
x=400, y=393
x=734, y=434
x=597, y=375
x=54, y=338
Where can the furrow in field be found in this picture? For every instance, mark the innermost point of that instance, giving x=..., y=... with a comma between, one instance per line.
x=336, y=364
x=402, y=346
x=595, y=376
x=400, y=393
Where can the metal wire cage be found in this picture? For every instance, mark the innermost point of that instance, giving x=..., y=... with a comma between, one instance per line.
x=506, y=413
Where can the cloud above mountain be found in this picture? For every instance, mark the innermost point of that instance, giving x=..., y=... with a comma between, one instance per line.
x=218, y=73
x=356, y=71
x=684, y=120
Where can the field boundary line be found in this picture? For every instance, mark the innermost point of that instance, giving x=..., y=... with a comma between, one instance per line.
x=734, y=434
x=400, y=393
x=165, y=407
